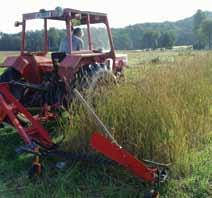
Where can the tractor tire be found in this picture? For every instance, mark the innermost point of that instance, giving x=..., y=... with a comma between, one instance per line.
x=10, y=74
x=151, y=194
x=98, y=80
x=98, y=77
x=91, y=80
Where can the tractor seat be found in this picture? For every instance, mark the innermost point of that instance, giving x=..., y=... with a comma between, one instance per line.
x=57, y=57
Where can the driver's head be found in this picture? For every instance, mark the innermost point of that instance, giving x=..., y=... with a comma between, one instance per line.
x=77, y=32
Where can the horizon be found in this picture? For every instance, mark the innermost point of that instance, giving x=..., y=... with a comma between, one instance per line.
x=162, y=11
x=116, y=27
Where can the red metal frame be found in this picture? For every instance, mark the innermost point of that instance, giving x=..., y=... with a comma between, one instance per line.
x=89, y=33
x=11, y=107
x=69, y=33
x=45, y=37
x=23, y=35
x=124, y=158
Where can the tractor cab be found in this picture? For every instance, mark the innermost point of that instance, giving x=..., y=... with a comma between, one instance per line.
x=97, y=45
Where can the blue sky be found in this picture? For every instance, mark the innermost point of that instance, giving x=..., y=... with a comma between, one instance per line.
x=120, y=13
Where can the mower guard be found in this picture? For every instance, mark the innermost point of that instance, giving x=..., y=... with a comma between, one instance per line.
x=122, y=157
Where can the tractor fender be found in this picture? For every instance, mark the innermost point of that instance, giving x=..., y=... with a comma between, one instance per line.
x=71, y=64
x=17, y=62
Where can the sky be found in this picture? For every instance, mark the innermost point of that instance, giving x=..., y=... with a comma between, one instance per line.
x=120, y=13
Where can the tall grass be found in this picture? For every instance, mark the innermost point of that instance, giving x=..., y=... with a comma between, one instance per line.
x=162, y=113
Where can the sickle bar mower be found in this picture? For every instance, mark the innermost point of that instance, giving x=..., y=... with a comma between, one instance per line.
x=35, y=137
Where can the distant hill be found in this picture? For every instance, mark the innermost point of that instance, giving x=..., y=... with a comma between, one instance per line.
x=183, y=30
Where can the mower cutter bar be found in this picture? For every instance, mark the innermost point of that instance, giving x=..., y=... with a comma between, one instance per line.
x=122, y=157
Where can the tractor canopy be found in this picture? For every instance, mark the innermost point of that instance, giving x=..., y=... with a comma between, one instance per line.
x=89, y=22
x=67, y=13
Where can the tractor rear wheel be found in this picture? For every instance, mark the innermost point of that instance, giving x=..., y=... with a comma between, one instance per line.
x=98, y=75
x=95, y=79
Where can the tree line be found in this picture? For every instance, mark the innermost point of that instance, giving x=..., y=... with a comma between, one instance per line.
x=202, y=28
x=122, y=40
x=195, y=30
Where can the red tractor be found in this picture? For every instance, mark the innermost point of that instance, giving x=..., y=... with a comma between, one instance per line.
x=71, y=68
x=48, y=80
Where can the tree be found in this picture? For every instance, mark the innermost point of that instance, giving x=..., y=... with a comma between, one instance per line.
x=207, y=31
x=34, y=40
x=53, y=39
x=122, y=40
x=135, y=33
x=150, y=39
x=199, y=17
x=10, y=41
x=166, y=40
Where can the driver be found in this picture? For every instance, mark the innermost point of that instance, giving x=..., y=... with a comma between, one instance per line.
x=77, y=42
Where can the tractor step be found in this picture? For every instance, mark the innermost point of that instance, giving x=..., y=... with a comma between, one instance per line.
x=27, y=148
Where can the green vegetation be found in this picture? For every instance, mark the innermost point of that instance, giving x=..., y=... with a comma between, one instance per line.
x=162, y=111
x=207, y=31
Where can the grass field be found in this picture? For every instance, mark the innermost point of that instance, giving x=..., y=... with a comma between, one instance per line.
x=161, y=111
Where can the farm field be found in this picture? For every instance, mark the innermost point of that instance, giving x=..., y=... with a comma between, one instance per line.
x=161, y=110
